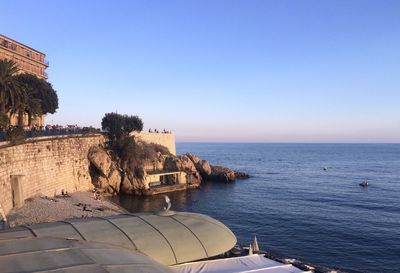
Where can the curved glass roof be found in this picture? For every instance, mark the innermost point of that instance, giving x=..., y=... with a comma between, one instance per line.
x=70, y=256
x=169, y=239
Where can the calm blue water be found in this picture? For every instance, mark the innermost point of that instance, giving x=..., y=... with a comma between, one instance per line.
x=298, y=210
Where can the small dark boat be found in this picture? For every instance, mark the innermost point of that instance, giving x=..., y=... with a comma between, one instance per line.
x=364, y=184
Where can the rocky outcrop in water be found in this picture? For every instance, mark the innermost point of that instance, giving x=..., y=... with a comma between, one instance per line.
x=183, y=163
x=114, y=176
x=221, y=174
x=214, y=173
x=241, y=175
x=202, y=166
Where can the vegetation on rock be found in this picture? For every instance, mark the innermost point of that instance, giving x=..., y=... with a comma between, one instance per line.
x=127, y=154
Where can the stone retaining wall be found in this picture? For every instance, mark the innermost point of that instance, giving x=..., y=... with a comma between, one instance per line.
x=47, y=166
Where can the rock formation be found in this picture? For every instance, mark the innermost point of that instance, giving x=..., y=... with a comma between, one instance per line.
x=104, y=171
x=132, y=184
x=100, y=159
x=202, y=166
x=183, y=163
x=222, y=174
x=215, y=173
x=241, y=175
x=114, y=177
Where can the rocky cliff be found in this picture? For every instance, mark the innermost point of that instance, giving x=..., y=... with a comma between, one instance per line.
x=113, y=176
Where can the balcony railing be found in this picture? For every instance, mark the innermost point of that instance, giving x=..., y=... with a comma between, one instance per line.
x=8, y=45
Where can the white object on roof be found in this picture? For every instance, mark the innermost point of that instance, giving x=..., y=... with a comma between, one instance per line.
x=255, y=246
x=168, y=203
x=253, y=263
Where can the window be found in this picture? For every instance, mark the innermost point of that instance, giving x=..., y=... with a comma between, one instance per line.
x=4, y=43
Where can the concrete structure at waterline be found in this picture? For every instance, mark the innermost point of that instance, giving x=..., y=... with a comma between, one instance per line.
x=157, y=179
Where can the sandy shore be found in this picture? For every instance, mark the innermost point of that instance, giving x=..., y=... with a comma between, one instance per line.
x=46, y=209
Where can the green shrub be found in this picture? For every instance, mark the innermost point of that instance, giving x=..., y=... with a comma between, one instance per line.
x=132, y=154
x=117, y=125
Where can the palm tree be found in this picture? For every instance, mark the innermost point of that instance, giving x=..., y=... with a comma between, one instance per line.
x=11, y=93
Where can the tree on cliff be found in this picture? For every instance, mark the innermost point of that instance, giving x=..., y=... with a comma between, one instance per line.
x=11, y=93
x=40, y=97
x=117, y=125
x=125, y=148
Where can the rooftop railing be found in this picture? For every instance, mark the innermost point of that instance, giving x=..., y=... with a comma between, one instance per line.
x=12, y=46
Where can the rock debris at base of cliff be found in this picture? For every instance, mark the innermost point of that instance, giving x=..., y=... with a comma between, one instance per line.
x=41, y=209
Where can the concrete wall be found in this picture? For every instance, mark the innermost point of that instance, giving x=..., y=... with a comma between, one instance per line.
x=48, y=166
x=167, y=140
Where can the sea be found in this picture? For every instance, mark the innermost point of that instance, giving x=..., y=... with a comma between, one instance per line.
x=303, y=201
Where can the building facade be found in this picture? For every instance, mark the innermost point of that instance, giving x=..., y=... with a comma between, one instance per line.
x=30, y=61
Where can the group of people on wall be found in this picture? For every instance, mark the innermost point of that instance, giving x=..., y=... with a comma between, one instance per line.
x=157, y=132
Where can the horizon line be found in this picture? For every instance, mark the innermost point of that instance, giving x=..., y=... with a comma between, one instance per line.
x=277, y=142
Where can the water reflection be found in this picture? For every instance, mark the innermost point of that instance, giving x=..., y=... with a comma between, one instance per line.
x=181, y=200
x=156, y=202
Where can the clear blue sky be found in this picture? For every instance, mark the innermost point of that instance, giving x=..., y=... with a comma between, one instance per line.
x=248, y=71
